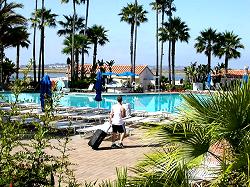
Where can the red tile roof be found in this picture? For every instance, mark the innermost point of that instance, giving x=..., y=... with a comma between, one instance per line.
x=237, y=73
x=117, y=68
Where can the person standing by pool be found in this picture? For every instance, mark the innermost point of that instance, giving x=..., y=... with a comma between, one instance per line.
x=117, y=114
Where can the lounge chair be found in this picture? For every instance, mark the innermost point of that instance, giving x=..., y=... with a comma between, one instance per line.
x=105, y=127
x=67, y=124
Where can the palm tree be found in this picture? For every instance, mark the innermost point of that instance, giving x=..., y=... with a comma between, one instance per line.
x=81, y=45
x=156, y=7
x=174, y=30
x=85, y=47
x=9, y=19
x=43, y=18
x=20, y=38
x=170, y=8
x=97, y=35
x=134, y=15
x=74, y=2
x=163, y=6
x=68, y=29
x=34, y=47
x=68, y=25
x=228, y=45
x=205, y=43
x=110, y=65
x=209, y=129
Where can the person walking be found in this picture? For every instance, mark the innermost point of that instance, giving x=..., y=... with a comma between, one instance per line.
x=117, y=114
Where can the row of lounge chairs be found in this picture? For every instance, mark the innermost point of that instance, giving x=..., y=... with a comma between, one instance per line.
x=83, y=119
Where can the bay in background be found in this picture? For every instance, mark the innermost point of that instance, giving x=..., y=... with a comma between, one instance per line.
x=57, y=74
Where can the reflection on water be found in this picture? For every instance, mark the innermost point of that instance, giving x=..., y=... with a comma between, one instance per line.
x=150, y=102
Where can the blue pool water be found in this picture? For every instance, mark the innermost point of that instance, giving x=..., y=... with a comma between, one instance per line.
x=149, y=102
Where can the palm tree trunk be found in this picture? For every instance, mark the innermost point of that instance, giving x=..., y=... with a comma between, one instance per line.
x=17, y=60
x=82, y=66
x=77, y=63
x=169, y=61
x=157, y=49
x=226, y=62
x=41, y=57
x=34, y=48
x=43, y=47
x=40, y=60
x=73, y=43
x=135, y=51
x=86, y=27
x=1, y=66
x=131, y=46
x=87, y=15
x=209, y=62
x=173, y=62
x=161, y=59
x=94, y=53
x=135, y=42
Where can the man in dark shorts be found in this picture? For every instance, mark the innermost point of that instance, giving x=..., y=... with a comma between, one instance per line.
x=117, y=114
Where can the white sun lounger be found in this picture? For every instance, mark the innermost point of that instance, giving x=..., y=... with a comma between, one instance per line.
x=65, y=124
x=105, y=127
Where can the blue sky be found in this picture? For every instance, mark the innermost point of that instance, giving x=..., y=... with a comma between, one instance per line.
x=222, y=15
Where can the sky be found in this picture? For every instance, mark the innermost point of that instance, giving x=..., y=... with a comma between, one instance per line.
x=222, y=15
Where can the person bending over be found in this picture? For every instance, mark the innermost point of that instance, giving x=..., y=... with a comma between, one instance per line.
x=118, y=125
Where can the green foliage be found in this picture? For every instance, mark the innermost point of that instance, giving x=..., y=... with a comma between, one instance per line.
x=215, y=125
x=24, y=156
x=187, y=85
x=196, y=73
x=138, y=89
x=8, y=69
x=82, y=84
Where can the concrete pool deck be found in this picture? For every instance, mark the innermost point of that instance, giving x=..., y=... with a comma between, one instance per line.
x=92, y=165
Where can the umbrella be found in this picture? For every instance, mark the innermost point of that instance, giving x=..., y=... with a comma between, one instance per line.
x=127, y=73
x=245, y=78
x=109, y=73
x=98, y=86
x=59, y=85
x=209, y=78
x=45, y=90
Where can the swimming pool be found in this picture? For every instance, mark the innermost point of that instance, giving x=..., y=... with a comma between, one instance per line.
x=149, y=102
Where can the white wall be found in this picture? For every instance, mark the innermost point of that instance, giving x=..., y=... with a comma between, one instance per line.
x=145, y=78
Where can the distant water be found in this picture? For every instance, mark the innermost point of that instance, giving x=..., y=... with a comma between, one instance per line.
x=60, y=74
x=52, y=75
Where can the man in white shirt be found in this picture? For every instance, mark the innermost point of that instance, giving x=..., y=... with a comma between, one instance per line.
x=117, y=114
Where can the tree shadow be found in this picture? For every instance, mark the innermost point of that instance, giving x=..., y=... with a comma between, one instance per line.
x=128, y=147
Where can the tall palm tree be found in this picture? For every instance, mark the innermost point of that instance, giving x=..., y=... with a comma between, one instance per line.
x=20, y=38
x=97, y=36
x=205, y=43
x=228, y=45
x=85, y=47
x=9, y=19
x=163, y=7
x=34, y=47
x=174, y=30
x=74, y=2
x=134, y=15
x=43, y=18
x=67, y=25
x=156, y=7
x=68, y=29
x=170, y=8
x=80, y=41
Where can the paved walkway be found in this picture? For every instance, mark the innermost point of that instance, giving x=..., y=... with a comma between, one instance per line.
x=101, y=164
